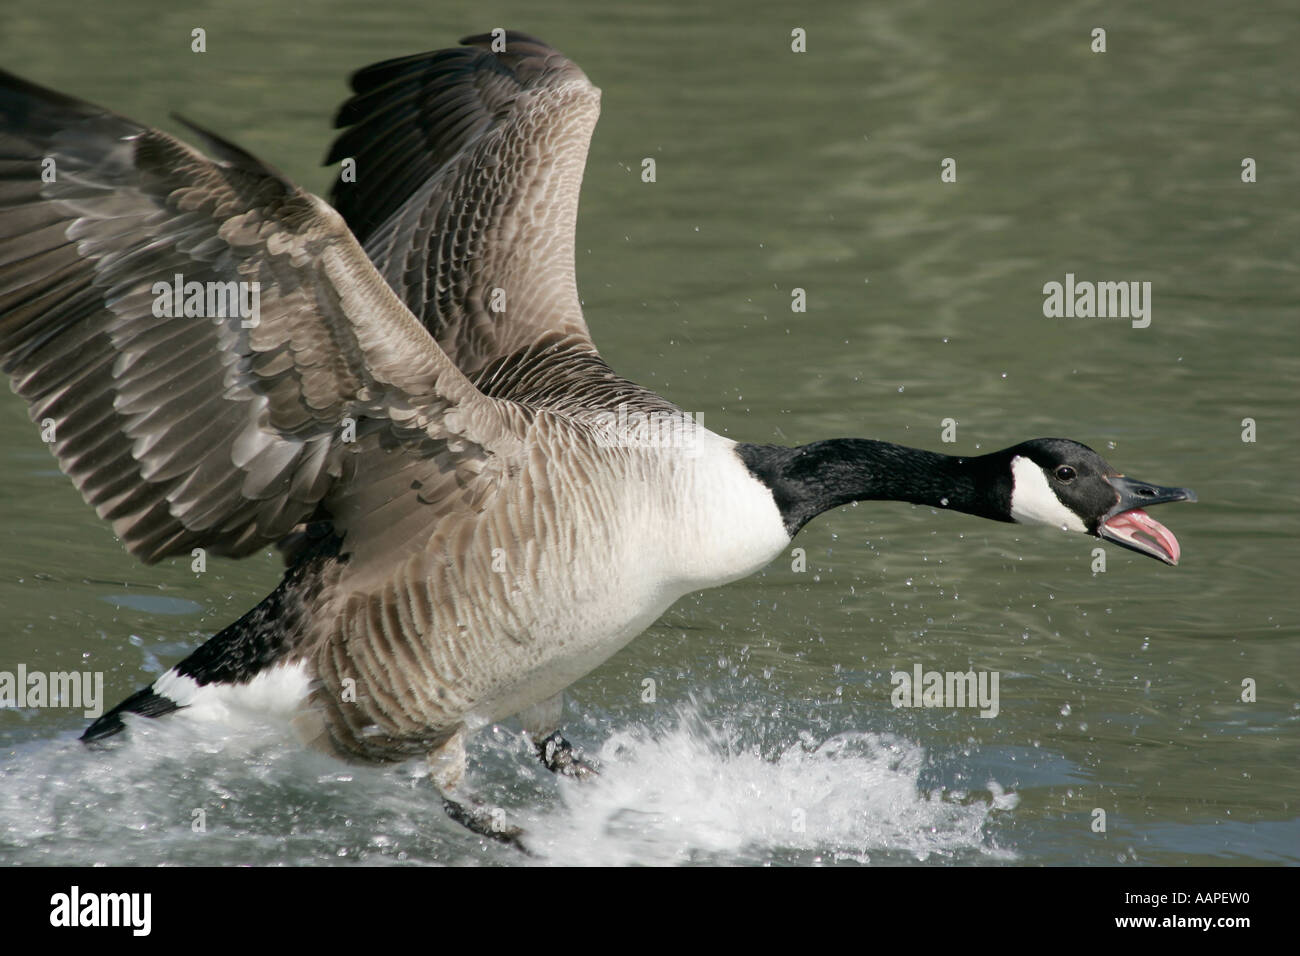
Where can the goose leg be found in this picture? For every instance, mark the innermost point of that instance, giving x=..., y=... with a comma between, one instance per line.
x=559, y=757
x=447, y=767
x=556, y=753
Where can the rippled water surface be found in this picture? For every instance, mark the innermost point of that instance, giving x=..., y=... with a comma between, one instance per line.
x=772, y=736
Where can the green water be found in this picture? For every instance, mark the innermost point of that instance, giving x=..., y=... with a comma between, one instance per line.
x=820, y=170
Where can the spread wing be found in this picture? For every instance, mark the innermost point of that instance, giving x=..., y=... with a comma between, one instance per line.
x=214, y=424
x=468, y=165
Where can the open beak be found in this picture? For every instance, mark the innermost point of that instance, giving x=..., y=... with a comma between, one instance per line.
x=1124, y=522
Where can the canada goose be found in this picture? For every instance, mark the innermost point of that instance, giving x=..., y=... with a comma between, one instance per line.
x=400, y=392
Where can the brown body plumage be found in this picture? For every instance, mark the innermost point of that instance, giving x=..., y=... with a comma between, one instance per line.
x=417, y=423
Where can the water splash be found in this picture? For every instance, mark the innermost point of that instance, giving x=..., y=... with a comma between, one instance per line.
x=697, y=794
x=688, y=791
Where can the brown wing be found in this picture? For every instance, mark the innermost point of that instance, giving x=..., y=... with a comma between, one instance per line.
x=208, y=430
x=468, y=167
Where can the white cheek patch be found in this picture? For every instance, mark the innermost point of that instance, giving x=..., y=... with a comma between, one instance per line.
x=1034, y=502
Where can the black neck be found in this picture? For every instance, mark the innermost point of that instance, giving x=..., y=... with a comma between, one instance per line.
x=810, y=479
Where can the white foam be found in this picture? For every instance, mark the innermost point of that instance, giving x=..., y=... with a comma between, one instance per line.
x=692, y=795
x=686, y=793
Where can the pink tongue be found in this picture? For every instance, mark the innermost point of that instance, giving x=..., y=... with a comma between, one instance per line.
x=1129, y=523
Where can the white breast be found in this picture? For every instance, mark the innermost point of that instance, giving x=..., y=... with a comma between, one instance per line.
x=676, y=523
x=725, y=524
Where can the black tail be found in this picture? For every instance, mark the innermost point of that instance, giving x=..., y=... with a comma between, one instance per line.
x=262, y=637
x=143, y=702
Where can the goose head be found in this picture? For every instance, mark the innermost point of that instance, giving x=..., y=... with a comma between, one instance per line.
x=1047, y=481
x=1059, y=482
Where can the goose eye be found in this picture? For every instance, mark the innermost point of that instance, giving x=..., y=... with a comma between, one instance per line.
x=1065, y=473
